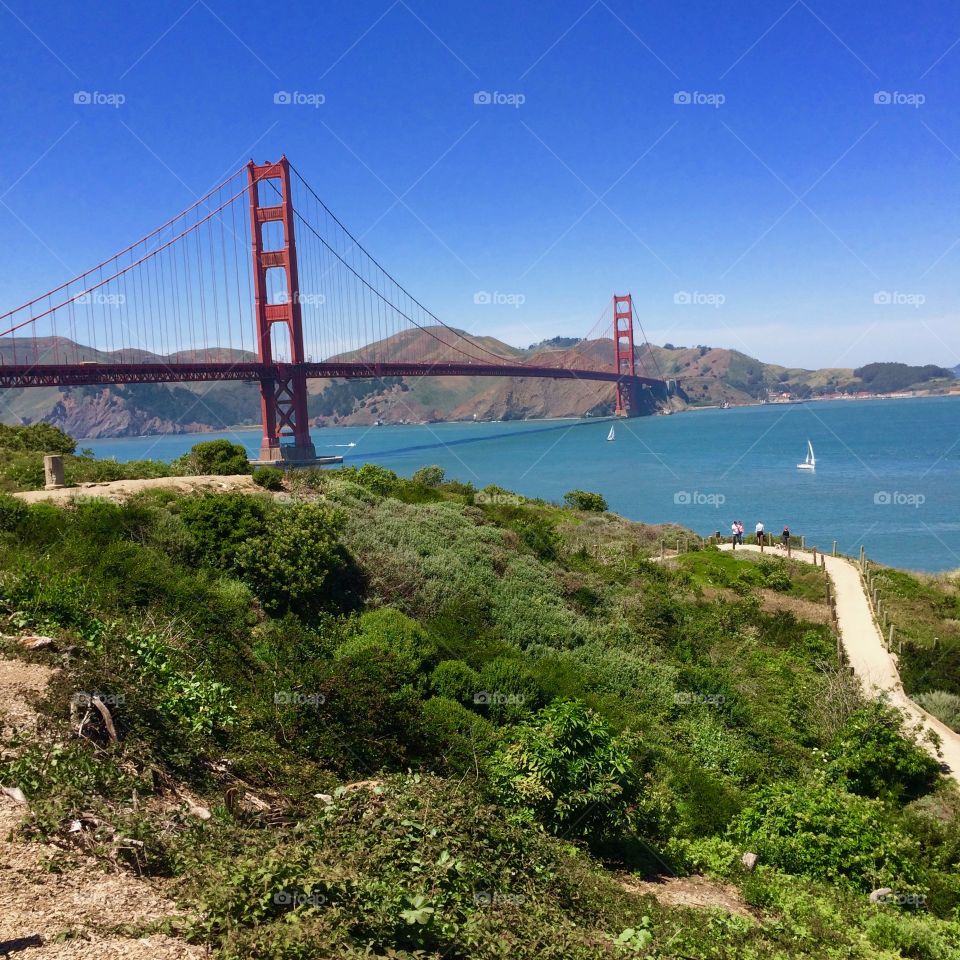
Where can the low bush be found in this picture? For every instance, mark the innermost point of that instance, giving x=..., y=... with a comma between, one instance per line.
x=584, y=500
x=944, y=706
x=455, y=680
x=431, y=476
x=819, y=831
x=565, y=769
x=872, y=756
x=217, y=457
x=270, y=478
x=291, y=568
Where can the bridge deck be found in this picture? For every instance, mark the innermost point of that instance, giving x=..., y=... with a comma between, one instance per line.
x=83, y=374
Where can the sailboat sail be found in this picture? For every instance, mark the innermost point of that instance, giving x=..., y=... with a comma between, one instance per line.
x=810, y=463
x=612, y=435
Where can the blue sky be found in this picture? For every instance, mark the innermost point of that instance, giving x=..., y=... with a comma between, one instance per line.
x=782, y=211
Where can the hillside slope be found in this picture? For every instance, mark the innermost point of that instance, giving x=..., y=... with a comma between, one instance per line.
x=707, y=375
x=370, y=717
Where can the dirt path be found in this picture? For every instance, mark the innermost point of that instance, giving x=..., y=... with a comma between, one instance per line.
x=121, y=489
x=874, y=666
x=71, y=912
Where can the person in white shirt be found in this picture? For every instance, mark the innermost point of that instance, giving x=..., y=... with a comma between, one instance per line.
x=759, y=531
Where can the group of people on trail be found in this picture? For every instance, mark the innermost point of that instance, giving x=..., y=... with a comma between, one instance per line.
x=736, y=534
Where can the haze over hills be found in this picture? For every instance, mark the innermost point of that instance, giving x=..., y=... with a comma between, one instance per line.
x=707, y=375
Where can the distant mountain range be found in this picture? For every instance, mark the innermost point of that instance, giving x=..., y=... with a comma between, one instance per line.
x=707, y=375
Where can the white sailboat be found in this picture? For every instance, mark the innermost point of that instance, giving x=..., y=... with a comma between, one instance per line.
x=811, y=462
x=612, y=435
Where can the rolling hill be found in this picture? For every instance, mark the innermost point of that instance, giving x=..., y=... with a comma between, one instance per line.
x=707, y=375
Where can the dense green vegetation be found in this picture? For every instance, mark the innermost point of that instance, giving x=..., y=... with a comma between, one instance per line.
x=436, y=722
x=890, y=377
x=22, y=450
x=925, y=613
x=21, y=460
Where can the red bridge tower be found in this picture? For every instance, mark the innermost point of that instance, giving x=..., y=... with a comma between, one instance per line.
x=283, y=398
x=624, y=360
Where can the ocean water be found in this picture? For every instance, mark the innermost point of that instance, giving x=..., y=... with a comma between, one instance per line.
x=887, y=477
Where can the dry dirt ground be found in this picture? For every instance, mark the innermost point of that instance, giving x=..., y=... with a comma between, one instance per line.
x=119, y=489
x=73, y=913
x=697, y=893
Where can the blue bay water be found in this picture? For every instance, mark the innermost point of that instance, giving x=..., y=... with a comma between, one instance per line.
x=888, y=471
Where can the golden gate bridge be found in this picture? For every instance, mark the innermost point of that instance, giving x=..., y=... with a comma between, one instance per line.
x=260, y=281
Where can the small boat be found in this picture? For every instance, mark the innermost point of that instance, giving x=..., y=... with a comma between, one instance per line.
x=612, y=435
x=811, y=462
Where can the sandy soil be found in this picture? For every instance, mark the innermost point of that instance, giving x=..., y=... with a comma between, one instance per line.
x=120, y=489
x=698, y=893
x=875, y=668
x=73, y=913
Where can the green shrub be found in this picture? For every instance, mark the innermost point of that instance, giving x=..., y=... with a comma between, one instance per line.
x=217, y=457
x=584, y=500
x=872, y=756
x=943, y=705
x=39, y=437
x=567, y=770
x=358, y=714
x=455, y=680
x=377, y=479
x=456, y=739
x=292, y=567
x=431, y=476
x=188, y=699
x=270, y=478
x=819, y=831
x=508, y=690
x=219, y=523
x=392, y=632
x=12, y=513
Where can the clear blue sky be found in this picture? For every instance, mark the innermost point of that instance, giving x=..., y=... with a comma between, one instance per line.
x=784, y=213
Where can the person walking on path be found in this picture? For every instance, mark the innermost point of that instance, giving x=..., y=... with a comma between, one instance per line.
x=760, y=532
x=786, y=537
x=733, y=535
x=740, y=532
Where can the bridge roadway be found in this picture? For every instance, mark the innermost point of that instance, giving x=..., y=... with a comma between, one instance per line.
x=83, y=374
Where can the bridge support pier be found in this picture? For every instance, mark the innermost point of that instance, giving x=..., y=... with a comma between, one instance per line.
x=283, y=399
